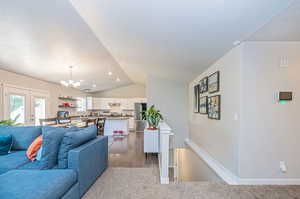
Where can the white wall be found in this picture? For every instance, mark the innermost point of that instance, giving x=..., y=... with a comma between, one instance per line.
x=55, y=90
x=270, y=131
x=131, y=91
x=266, y=132
x=220, y=137
x=171, y=98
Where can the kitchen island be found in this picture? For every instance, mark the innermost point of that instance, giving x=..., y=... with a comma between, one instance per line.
x=116, y=125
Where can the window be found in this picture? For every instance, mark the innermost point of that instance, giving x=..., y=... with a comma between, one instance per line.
x=39, y=109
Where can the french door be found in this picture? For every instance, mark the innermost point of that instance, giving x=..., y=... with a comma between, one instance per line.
x=26, y=105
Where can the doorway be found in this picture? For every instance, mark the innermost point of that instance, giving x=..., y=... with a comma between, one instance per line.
x=25, y=105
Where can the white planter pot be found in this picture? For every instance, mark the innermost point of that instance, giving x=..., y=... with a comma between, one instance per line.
x=151, y=141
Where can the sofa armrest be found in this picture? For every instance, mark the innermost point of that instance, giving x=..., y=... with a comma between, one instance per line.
x=89, y=161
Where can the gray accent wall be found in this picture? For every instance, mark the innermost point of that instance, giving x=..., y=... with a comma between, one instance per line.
x=255, y=132
x=171, y=98
x=220, y=137
x=270, y=131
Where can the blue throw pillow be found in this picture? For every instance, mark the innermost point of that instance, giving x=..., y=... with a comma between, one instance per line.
x=52, y=137
x=72, y=140
x=23, y=136
x=5, y=144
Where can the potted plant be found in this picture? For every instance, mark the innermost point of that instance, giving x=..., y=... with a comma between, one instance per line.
x=151, y=133
x=10, y=122
x=153, y=117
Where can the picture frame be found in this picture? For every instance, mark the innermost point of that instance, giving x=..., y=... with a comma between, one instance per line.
x=196, y=98
x=214, y=82
x=214, y=107
x=203, y=105
x=203, y=85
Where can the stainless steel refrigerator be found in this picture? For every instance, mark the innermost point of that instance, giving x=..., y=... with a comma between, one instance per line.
x=140, y=124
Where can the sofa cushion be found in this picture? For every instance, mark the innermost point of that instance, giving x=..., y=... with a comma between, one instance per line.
x=52, y=137
x=51, y=143
x=72, y=140
x=36, y=184
x=5, y=144
x=23, y=136
x=31, y=165
x=3, y=170
x=12, y=160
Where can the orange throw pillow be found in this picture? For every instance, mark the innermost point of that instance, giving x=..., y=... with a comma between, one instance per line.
x=34, y=147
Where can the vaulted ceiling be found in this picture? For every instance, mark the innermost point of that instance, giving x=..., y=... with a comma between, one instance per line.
x=42, y=39
x=172, y=39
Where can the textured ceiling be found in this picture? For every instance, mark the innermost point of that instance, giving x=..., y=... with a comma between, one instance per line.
x=173, y=39
x=42, y=38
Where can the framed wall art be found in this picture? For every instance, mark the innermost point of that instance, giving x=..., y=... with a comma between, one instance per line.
x=214, y=82
x=196, y=98
x=203, y=105
x=214, y=107
x=203, y=85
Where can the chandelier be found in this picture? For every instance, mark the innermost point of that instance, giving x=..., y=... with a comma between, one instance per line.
x=70, y=82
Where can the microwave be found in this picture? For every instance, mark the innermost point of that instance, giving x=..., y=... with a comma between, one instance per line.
x=63, y=117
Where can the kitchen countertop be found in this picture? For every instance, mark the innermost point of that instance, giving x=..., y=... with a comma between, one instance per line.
x=117, y=118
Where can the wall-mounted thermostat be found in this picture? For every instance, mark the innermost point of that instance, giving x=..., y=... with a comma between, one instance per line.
x=283, y=97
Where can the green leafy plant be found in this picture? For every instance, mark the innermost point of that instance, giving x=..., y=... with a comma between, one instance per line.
x=153, y=117
x=10, y=122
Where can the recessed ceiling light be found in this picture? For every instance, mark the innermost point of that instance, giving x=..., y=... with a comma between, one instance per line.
x=118, y=79
x=110, y=73
x=94, y=85
x=237, y=42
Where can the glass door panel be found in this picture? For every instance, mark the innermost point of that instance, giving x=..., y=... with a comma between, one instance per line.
x=39, y=106
x=28, y=106
x=17, y=108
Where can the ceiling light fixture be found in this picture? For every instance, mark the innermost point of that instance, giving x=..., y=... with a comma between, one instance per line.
x=110, y=73
x=237, y=42
x=71, y=82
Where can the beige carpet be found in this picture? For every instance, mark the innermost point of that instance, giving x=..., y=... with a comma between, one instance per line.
x=143, y=183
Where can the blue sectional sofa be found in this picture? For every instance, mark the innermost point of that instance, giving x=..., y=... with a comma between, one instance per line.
x=22, y=179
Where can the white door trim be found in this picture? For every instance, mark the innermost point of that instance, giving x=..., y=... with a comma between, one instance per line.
x=25, y=88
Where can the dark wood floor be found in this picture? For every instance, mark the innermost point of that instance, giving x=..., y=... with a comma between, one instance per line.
x=127, y=151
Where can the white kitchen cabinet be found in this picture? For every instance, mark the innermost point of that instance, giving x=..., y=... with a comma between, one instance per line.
x=89, y=103
x=105, y=103
x=131, y=104
x=127, y=104
x=96, y=103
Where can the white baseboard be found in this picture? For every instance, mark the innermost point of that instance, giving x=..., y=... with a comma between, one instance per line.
x=233, y=179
